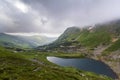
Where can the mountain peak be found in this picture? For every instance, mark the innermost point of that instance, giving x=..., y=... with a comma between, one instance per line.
x=73, y=28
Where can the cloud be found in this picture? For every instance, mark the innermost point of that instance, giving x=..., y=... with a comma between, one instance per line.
x=54, y=16
x=34, y=34
x=19, y=5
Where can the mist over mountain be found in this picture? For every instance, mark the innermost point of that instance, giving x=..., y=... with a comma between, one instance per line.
x=59, y=39
x=90, y=36
x=7, y=40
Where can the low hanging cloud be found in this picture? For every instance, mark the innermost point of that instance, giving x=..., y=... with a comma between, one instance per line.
x=54, y=16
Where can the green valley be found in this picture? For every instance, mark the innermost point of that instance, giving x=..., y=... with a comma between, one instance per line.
x=59, y=39
x=23, y=42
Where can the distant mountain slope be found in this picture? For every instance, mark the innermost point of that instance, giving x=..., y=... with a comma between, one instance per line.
x=69, y=34
x=90, y=37
x=82, y=38
x=101, y=42
x=23, y=41
x=39, y=40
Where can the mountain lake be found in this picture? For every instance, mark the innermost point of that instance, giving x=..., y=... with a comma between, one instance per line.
x=84, y=64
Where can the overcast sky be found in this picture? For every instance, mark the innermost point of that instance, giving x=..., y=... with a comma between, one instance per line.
x=52, y=17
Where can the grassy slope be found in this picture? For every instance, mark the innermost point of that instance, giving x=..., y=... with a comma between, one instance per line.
x=95, y=38
x=69, y=34
x=18, y=66
x=114, y=47
x=99, y=35
x=85, y=37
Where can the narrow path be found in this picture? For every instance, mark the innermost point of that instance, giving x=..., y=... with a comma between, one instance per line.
x=100, y=49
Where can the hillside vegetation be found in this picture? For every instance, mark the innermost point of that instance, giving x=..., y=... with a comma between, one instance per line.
x=101, y=42
x=90, y=37
x=34, y=66
x=23, y=42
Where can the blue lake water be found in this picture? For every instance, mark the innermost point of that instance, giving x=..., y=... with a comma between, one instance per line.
x=84, y=64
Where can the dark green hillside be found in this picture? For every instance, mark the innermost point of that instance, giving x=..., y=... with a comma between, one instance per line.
x=114, y=47
x=69, y=34
x=94, y=38
x=28, y=66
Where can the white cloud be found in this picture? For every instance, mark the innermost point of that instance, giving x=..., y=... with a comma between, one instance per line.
x=19, y=5
x=54, y=16
x=34, y=34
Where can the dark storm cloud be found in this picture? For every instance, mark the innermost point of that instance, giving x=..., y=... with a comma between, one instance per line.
x=54, y=16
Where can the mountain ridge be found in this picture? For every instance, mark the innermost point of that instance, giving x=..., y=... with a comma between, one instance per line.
x=91, y=36
x=100, y=42
x=7, y=40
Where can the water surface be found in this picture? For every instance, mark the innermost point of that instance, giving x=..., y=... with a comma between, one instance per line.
x=84, y=64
